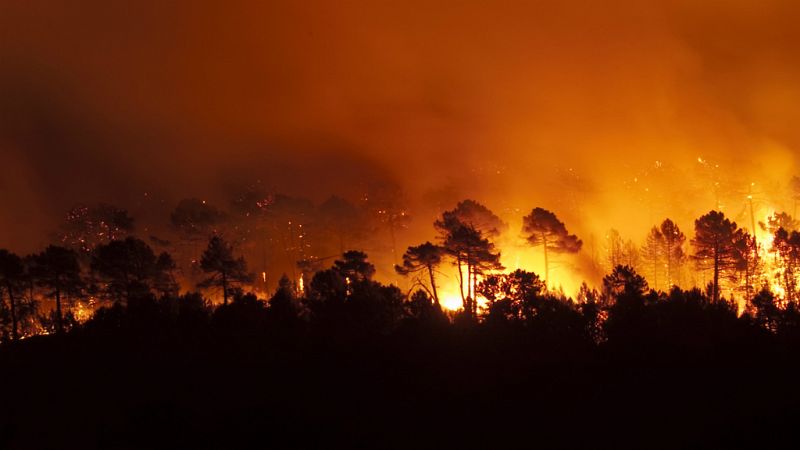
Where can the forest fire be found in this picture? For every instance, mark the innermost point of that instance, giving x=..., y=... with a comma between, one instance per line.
x=356, y=221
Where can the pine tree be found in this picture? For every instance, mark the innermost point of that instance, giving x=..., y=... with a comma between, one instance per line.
x=425, y=257
x=715, y=247
x=653, y=255
x=672, y=251
x=224, y=269
x=57, y=269
x=542, y=228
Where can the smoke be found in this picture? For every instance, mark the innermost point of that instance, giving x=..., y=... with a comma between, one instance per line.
x=612, y=115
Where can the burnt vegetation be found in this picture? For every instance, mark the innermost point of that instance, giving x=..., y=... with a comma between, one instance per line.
x=113, y=342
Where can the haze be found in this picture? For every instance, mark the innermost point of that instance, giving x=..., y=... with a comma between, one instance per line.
x=596, y=110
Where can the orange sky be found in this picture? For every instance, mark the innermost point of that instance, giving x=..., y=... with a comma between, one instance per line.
x=565, y=105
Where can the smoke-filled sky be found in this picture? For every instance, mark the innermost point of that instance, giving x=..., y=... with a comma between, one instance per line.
x=604, y=105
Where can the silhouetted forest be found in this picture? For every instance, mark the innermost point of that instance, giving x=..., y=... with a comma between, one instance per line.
x=111, y=341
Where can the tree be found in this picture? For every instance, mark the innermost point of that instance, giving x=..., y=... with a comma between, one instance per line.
x=474, y=214
x=223, y=267
x=87, y=227
x=425, y=257
x=749, y=264
x=510, y=295
x=354, y=267
x=763, y=308
x=653, y=254
x=469, y=249
x=128, y=269
x=164, y=280
x=624, y=281
x=542, y=228
x=11, y=278
x=715, y=246
x=673, y=240
x=787, y=246
x=777, y=221
x=195, y=220
x=57, y=269
x=282, y=304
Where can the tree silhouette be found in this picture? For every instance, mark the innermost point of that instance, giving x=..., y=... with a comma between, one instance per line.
x=11, y=279
x=195, y=220
x=476, y=215
x=777, y=221
x=764, y=310
x=715, y=246
x=748, y=262
x=426, y=257
x=622, y=281
x=469, y=249
x=283, y=303
x=542, y=228
x=673, y=240
x=510, y=295
x=787, y=247
x=354, y=266
x=128, y=269
x=57, y=269
x=223, y=267
x=164, y=281
x=653, y=254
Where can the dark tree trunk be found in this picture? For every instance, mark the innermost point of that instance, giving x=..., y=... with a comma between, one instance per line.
x=13, y=304
x=433, y=286
x=224, y=289
x=716, y=274
x=59, y=316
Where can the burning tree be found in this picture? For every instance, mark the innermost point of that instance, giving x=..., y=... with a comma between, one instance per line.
x=749, y=262
x=777, y=221
x=224, y=269
x=662, y=253
x=653, y=254
x=87, y=227
x=673, y=240
x=620, y=252
x=542, y=228
x=424, y=257
x=787, y=247
x=715, y=246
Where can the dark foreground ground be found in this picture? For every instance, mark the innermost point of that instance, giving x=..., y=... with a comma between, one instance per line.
x=453, y=389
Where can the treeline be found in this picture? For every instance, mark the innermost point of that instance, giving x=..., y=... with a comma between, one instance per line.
x=336, y=358
x=77, y=280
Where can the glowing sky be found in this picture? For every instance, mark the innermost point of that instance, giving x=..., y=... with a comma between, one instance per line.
x=598, y=110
